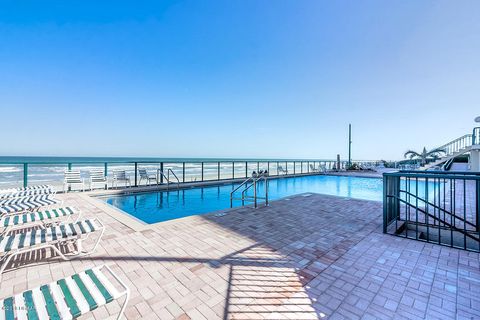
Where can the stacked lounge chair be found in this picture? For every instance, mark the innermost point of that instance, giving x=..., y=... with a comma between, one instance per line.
x=29, y=188
x=29, y=203
x=67, y=298
x=26, y=193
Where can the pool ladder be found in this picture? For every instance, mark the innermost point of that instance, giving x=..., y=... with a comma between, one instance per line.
x=167, y=177
x=249, y=183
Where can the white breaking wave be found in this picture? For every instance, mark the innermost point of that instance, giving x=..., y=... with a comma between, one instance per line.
x=10, y=169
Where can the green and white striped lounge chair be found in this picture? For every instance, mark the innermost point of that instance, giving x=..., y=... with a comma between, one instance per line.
x=36, y=239
x=68, y=298
x=27, y=193
x=29, y=188
x=16, y=205
x=42, y=218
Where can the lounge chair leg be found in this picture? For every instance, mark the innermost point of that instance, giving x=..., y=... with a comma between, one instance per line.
x=5, y=263
x=60, y=253
x=124, y=306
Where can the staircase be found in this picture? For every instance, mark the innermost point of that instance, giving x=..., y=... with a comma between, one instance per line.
x=446, y=158
x=437, y=207
x=456, y=148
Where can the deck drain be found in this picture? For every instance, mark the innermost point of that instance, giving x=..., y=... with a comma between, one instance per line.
x=306, y=195
x=220, y=214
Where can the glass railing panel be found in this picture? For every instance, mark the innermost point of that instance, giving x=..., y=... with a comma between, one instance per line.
x=263, y=166
x=298, y=167
x=210, y=171
x=290, y=167
x=226, y=170
x=11, y=176
x=151, y=169
x=129, y=169
x=252, y=166
x=273, y=168
x=240, y=168
x=193, y=172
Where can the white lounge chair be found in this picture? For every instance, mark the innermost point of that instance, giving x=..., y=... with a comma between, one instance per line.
x=35, y=239
x=313, y=169
x=119, y=176
x=97, y=176
x=17, y=205
x=322, y=168
x=67, y=298
x=42, y=218
x=72, y=177
x=145, y=176
x=280, y=169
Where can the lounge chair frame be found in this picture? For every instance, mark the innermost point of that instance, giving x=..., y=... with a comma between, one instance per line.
x=43, y=224
x=6, y=257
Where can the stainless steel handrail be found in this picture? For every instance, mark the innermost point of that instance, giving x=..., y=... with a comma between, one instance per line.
x=253, y=179
x=167, y=177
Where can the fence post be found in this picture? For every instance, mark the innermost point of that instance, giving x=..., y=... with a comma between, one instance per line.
x=161, y=172
x=202, y=171
x=183, y=172
x=246, y=169
x=218, y=170
x=25, y=175
x=136, y=173
x=385, y=199
x=69, y=166
x=477, y=204
x=233, y=169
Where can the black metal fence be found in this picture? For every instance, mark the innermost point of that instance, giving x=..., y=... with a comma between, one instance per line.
x=437, y=207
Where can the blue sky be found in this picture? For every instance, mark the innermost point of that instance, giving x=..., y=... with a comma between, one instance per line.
x=236, y=78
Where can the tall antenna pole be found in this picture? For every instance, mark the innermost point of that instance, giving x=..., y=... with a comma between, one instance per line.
x=349, y=144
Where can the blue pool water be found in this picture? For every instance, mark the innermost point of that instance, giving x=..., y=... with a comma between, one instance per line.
x=155, y=207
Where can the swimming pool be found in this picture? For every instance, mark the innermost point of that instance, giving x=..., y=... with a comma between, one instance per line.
x=161, y=206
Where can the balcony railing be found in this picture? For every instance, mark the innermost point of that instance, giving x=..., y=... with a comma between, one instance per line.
x=438, y=207
x=18, y=174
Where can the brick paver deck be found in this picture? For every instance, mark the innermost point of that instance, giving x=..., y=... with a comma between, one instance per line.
x=309, y=257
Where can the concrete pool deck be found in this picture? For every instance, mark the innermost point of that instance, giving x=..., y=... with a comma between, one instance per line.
x=304, y=257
